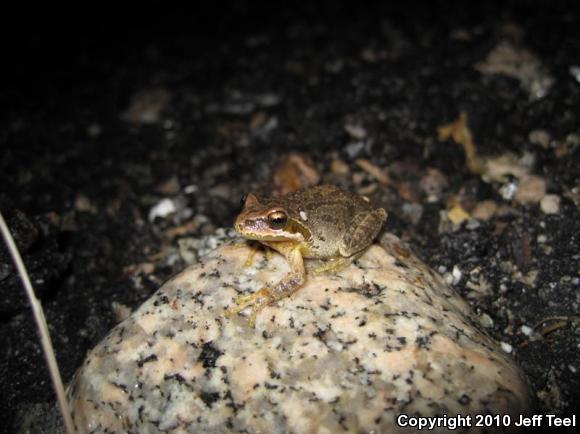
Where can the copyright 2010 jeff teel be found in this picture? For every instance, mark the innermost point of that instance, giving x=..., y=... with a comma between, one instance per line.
x=484, y=421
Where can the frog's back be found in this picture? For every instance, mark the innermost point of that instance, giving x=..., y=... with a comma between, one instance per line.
x=328, y=212
x=310, y=198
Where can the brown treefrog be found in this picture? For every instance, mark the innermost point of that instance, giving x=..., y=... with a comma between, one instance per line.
x=323, y=222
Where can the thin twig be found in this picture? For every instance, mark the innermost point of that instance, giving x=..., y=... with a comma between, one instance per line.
x=38, y=314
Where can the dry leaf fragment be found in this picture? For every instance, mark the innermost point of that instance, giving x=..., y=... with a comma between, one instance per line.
x=295, y=171
x=459, y=131
x=376, y=172
x=339, y=167
x=457, y=215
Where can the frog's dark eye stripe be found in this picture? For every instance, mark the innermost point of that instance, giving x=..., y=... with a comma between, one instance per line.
x=277, y=219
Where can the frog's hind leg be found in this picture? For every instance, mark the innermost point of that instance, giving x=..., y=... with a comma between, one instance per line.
x=363, y=231
x=360, y=235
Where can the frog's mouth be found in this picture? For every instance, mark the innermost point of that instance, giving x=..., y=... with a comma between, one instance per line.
x=259, y=230
x=290, y=237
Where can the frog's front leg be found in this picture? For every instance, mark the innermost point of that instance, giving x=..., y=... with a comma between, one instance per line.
x=254, y=249
x=290, y=283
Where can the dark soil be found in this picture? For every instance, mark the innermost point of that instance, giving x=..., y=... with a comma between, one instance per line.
x=240, y=85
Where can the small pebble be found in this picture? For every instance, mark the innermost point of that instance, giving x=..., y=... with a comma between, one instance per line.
x=457, y=274
x=575, y=72
x=94, y=130
x=517, y=62
x=163, y=208
x=268, y=99
x=550, y=204
x=484, y=210
x=84, y=204
x=146, y=106
x=357, y=132
x=121, y=311
x=190, y=189
x=509, y=190
x=354, y=148
x=526, y=330
x=169, y=186
x=507, y=348
x=339, y=167
x=531, y=190
x=486, y=321
x=413, y=211
x=472, y=224
x=540, y=137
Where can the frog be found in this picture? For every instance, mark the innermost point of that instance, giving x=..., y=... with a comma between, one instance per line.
x=323, y=222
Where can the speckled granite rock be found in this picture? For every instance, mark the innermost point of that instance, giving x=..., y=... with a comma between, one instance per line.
x=347, y=353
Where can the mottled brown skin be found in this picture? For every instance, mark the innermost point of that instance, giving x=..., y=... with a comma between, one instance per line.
x=323, y=222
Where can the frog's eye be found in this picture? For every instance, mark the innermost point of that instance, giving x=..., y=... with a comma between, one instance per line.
x=243, y=199
x=277, y=219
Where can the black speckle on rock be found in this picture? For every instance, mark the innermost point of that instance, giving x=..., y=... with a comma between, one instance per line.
x=209, y=355
x=149, y=358
x=123, y=387
x=198, y=297
x=161, y=300
x=401, y=264
x=177, y=377
x=209, y=398
x=424, y=341
x=320, y=334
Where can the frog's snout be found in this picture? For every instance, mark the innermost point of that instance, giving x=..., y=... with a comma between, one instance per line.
x=238, y=226
x=242, y=224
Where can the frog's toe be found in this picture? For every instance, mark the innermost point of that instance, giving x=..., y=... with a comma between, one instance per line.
x=258, y=300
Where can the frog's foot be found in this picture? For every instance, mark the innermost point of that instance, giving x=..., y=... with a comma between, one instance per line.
x=258, y=301
x=254, y=249
x=334, y=265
